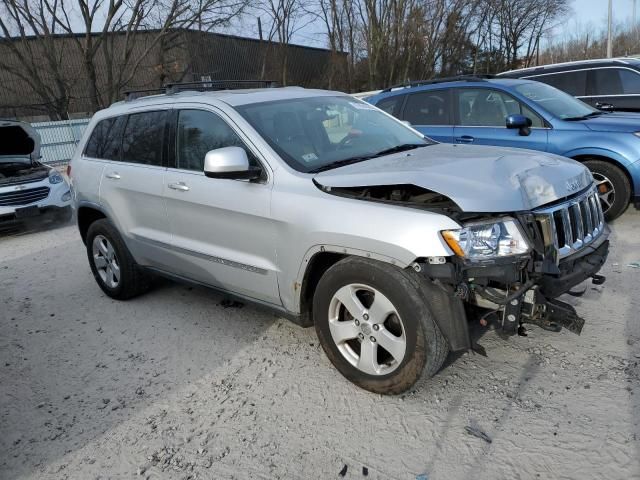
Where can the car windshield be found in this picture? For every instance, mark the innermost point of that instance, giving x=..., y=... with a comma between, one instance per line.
x=318, y=133
x=556, y=102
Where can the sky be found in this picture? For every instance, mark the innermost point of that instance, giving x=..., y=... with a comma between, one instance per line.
x=585, y=14
x=595, y=11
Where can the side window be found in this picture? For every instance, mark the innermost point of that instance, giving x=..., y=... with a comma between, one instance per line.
x=428, y=108
x=143, y=137
x=574, y=83
x=490, y=108
x=630, y=82
x=607, y=81
x=105, y=139
x=200, y=131
x=391, y=105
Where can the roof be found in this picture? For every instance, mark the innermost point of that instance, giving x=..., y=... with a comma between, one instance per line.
x=596, y=62
x=448, y=83
x=230, y=97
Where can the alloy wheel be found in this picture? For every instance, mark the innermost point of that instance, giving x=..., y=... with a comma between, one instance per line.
x=606, y=191
x=367, y=329
x=106, y=261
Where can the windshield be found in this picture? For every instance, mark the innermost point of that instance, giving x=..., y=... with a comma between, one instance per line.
x=556, y=102
x=316, y=133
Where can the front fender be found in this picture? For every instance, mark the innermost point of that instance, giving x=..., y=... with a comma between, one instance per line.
x=315, y=221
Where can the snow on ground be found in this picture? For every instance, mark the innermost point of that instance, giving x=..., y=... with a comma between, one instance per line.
x=175, y=385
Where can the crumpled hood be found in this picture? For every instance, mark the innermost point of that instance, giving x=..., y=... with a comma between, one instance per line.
x=476, y=178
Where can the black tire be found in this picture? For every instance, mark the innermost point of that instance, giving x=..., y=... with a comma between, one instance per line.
x=426, y=347
x=133, y=280
x=620, y=182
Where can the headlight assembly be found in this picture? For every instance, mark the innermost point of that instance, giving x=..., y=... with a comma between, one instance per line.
x=487, y=240
x=55, y=177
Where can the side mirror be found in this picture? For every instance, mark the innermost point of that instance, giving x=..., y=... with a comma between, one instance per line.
x=520, y=122
x=231, y=163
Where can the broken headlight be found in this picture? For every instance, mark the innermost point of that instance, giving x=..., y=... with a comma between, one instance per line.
x=487, y=240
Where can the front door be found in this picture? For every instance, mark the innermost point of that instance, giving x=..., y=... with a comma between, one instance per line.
x=223, y=234
x=481, y=117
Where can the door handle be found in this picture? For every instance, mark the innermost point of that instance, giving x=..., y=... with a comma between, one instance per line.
x=465, y=139
x=180, y=186
x=113, y=176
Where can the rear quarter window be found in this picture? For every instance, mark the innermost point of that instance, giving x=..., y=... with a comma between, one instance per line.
x=105, y=140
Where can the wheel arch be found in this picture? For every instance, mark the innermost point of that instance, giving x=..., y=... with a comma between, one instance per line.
x=583, y=157
x=87, y=214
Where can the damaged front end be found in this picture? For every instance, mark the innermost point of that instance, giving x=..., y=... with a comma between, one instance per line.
x=566, y=244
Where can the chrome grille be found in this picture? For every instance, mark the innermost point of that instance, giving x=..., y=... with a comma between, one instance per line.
x=23, y=197
x=572, y=225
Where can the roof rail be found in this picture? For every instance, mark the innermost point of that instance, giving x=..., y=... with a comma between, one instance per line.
x=203, y=86
x=457, y=78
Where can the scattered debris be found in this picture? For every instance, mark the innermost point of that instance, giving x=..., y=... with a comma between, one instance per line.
x=634, y=264
x=422, y=476
x=226, y=303
x=476, y=432
x=343, y=472
x=365, y=471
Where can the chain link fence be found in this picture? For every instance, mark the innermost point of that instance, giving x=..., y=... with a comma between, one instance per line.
x=59, y=140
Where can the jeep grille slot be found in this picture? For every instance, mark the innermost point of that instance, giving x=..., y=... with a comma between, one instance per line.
x=23, y=197
x=570, y=226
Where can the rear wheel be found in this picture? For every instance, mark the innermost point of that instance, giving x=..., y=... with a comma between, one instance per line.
x=613, y=187
x=112, y=265
x=374, y=325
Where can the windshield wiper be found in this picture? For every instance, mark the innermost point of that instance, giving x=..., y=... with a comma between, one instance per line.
x=584, y=117
x=348, y=161
x=400, y=148
x=341, y=163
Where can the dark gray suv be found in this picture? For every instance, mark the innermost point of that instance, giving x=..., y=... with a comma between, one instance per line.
x=607, y=84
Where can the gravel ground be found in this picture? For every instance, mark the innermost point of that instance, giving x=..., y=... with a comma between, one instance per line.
x=175, y=385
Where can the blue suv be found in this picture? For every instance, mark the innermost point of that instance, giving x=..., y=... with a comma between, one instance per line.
x=526, y=114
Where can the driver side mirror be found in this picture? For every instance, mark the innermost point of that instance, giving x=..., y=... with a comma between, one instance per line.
x=520, y=122
x=230, y=163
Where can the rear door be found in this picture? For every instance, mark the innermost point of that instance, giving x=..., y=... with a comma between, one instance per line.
x=430, y=113
x=131, y=189
x=481, y=118
x=223, y=234
x=616, y=86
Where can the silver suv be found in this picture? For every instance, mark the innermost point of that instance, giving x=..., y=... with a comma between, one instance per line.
x=334, y=214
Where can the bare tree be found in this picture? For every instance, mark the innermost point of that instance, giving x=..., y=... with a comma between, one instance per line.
x=120, y=26
x=33, y=56
x=285, y=18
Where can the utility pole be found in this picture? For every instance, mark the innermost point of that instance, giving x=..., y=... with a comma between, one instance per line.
x=609, y=40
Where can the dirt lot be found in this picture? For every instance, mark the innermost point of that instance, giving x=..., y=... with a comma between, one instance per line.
x=175, y=385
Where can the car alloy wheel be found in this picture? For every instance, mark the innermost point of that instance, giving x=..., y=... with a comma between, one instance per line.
x=367, y=329
x=606, y=191
x=106, y=261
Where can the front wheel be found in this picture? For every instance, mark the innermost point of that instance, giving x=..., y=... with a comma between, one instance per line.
x=613, y=187
x=375, y=327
